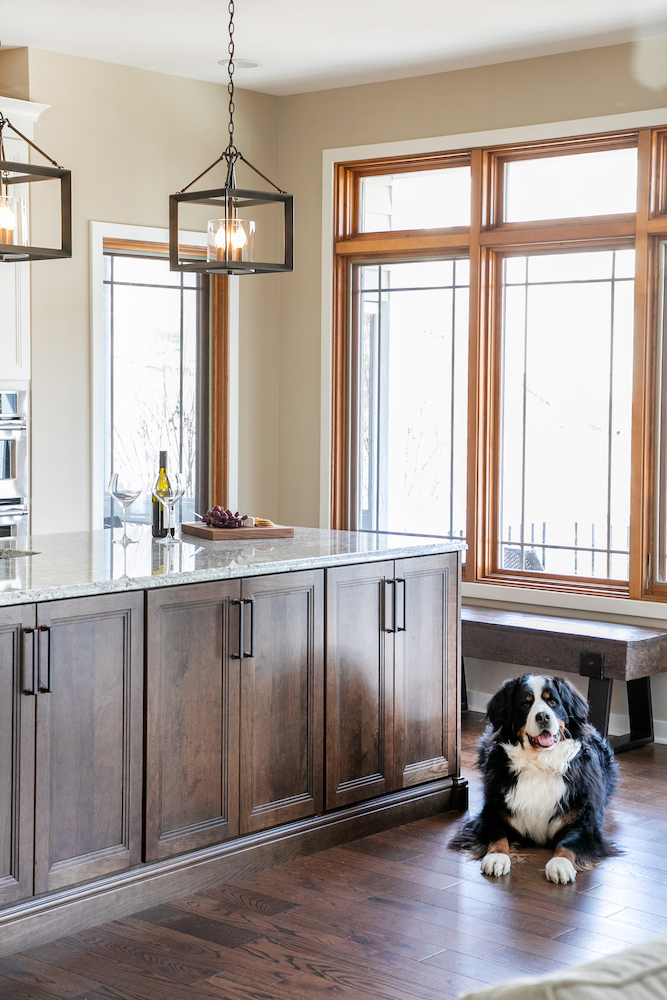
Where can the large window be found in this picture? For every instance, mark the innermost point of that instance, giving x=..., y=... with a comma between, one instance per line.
x=497, y=357
x=151, y=332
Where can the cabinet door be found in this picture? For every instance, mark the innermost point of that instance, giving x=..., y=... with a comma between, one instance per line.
x=89, y=738
x=192, y=717
x=425, y=669
x=359, y=683
x=282, y=699
x=17, y=752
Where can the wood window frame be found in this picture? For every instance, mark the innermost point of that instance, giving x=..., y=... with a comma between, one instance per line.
x=487, y=240
x=213, y=369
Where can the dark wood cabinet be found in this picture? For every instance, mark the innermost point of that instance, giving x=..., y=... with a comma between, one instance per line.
x=89, y=738
x=391, y=668
x=192, y=717
x=17, y=753
x=359, y=697
x=425, y=669
x=234, y=709
x=282, y=699
x=71, y=723
x=229, y=720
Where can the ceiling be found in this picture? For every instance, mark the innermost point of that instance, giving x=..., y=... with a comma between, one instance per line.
x=306, y=45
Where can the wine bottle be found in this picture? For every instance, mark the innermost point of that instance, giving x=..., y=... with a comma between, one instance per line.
x=162, y=485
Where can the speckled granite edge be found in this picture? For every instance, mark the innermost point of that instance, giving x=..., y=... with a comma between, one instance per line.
x=279, y=565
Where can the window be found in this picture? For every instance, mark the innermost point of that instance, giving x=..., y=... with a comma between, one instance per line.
x=151, y=319
x=413, y=384
x=554, y=448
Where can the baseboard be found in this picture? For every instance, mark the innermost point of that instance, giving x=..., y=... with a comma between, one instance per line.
x=618, y=724
x=41, y=919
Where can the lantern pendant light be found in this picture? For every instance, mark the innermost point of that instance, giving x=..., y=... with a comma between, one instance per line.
x=230, y=237
x=14, y=244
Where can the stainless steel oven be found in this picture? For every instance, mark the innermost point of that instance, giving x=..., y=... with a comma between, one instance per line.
x=14, y=486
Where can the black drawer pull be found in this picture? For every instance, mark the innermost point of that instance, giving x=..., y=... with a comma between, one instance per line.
x=44, y=632
x=250, y=652
x=240, y=654
x=389, y=606
x=401, y=604
x=29, y=665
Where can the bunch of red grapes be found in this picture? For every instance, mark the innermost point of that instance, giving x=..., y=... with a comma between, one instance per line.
x=216, y=517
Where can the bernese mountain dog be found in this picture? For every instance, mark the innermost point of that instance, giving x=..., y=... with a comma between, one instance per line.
x=548, y=776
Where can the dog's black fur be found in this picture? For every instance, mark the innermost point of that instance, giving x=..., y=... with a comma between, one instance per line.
x=590, y=777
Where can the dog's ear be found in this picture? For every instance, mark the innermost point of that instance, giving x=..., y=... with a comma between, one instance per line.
x=500, y=709
x=574, y=703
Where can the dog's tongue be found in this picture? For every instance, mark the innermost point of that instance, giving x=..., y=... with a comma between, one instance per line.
x=545, y=739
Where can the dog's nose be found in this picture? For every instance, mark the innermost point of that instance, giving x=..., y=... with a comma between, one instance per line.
x=542, y=718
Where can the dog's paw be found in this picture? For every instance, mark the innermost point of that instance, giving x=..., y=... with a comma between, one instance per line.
x=496, y=864
x=560, y=870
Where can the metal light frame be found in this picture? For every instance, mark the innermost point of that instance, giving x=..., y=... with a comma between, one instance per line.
x=230, y=199
x=27, y=173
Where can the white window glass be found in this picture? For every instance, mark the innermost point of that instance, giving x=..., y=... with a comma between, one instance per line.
x=151, y=321
x=565, y=187
x=566, y=413
x=423, y=199
x=413, y=385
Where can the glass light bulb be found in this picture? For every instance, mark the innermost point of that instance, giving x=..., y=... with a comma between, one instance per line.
x=7, y=219
x=220, y=237
x=239, y=238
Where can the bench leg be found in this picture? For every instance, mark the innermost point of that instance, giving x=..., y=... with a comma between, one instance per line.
x=464, y=687
x=599, y=703
x=640, y=711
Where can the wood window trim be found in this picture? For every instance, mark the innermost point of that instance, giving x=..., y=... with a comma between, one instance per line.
x=486, y=241
x=213, y=458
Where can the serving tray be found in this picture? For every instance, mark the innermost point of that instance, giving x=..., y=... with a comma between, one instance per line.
x=221, y=534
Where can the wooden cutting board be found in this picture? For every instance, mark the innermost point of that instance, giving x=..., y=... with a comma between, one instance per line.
x=222, y=534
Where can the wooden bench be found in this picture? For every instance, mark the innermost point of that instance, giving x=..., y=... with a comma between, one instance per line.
x=602, y=651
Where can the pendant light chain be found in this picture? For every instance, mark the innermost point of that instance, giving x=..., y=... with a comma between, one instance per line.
x=230, y=69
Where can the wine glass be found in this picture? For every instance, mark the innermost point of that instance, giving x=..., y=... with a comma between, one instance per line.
x=170, y=498
x=124, y=493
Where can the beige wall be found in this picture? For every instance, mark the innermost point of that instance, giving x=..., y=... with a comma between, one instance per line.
x=14, y=73
x=554, y=88
x=131, y=138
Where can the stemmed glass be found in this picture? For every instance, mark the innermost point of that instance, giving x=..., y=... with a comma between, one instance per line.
x=170, y=498
x=125, y=494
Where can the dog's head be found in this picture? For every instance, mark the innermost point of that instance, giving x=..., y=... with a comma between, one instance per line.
x=537, y=711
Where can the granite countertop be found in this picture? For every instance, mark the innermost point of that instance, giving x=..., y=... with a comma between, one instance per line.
x=83, y=563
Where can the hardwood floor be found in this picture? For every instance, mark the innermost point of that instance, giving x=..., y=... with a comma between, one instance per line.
x=396, y=915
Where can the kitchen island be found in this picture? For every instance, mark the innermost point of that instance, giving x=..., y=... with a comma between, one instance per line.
x=172, y=717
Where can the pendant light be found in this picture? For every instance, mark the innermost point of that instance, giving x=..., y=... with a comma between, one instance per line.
x=230, y=238
x=14, y=245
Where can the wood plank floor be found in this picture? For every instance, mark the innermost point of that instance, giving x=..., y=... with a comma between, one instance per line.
x=396, y=916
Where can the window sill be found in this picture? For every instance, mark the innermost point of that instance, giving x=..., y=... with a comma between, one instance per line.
x=566, y=601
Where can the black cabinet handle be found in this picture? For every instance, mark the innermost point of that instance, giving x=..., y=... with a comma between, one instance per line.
x=389, y=604
x=240, y=654
x=250, y=652
x=401, y=604
x=44, y=632
x=29, y=664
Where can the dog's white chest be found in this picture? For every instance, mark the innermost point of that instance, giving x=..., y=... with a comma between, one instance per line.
x=534, y=798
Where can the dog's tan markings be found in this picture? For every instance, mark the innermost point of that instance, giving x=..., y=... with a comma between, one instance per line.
x=496, y=861
x=565, y=852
